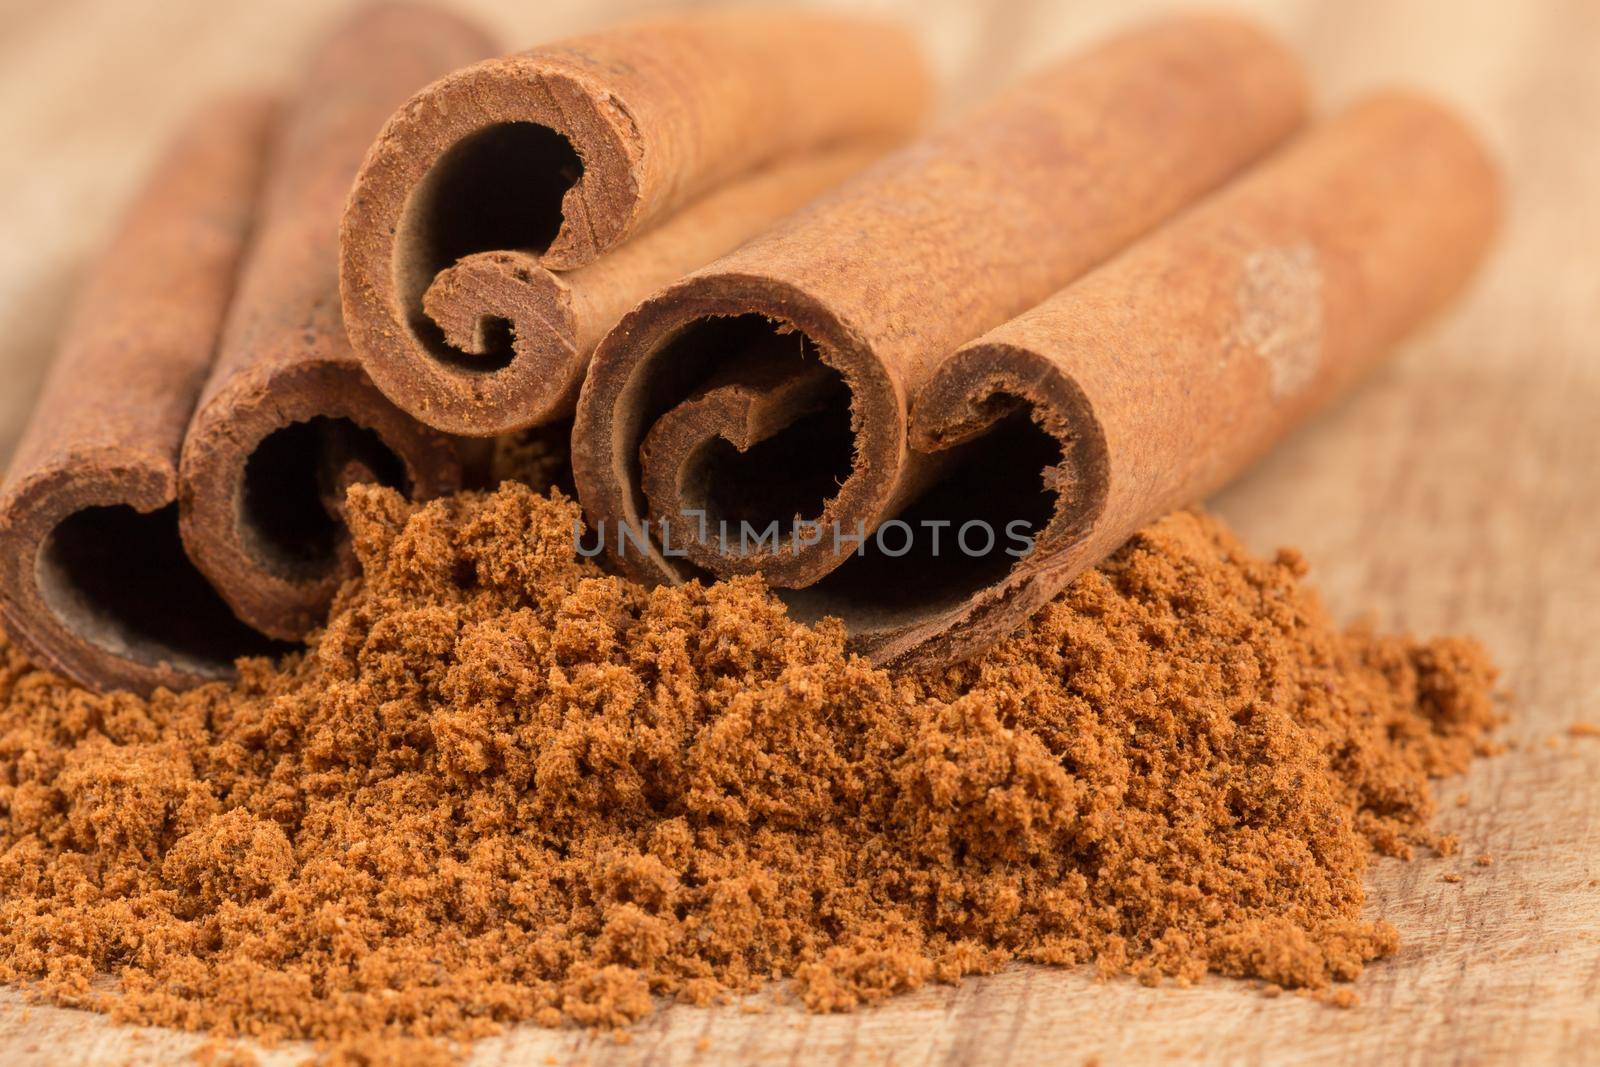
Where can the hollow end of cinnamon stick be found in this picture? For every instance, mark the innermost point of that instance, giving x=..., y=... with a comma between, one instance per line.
x=475, y=243
x=265, y=468
x=93, y=579
x=722, y=383
x=97, y=586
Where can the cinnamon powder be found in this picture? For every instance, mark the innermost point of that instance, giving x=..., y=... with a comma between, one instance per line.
x=502, y=785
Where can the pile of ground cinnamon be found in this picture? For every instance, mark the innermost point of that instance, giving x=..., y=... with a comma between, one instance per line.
x=502, y=785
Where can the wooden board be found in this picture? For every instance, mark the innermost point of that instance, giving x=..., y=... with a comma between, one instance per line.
x=1459, y=491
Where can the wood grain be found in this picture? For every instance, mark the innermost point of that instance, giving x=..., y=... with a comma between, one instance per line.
x=1459, y=491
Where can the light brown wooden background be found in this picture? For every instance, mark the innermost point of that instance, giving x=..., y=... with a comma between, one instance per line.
x=1459, y=490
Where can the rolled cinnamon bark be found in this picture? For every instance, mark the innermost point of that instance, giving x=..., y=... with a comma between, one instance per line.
x=1166, y=372
x=490, y=180
x=522, y=335
x=773, y=385
x=93, y=580
x=288, y=418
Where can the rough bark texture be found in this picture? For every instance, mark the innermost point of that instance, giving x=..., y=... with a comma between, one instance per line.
x=93, y=581
x=492, y=178
x=288, y=417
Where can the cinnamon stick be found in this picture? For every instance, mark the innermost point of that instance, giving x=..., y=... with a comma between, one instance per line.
x=288, y=416
x=1166, y=372
x=490, y=181
x=774, y=384
x=93, y=580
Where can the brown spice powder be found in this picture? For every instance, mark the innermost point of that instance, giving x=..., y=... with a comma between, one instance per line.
x=502, y=785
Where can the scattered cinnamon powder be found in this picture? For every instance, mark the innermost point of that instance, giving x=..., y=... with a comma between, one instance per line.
x=502, y=785
x=1342, y=997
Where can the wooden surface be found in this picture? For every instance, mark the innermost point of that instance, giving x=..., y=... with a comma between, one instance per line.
x=1456, y=492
